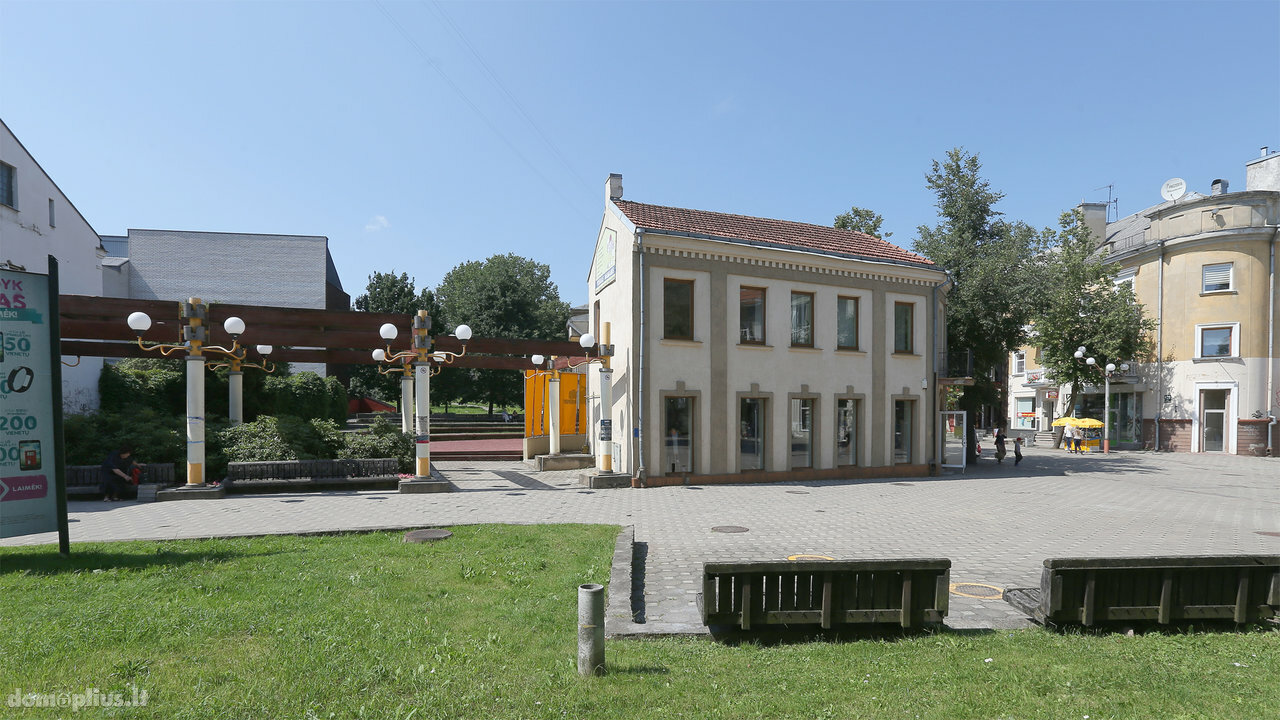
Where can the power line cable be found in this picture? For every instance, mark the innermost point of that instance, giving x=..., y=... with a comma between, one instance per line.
x=510, y=97
x=422, y=53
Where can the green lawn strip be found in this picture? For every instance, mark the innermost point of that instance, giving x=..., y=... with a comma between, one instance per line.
x=484, y=625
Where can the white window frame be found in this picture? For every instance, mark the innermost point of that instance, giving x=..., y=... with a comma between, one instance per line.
x=1020, y=362
x=1231, y=278
x=1126, y=276
x=1235, y=340
x=13, y=185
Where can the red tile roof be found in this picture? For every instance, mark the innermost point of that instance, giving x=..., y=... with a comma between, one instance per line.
x=780, y=233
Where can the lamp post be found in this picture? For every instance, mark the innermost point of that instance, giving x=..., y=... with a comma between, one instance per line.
x=194, y=339
x=422, y=357
x=235, y=378
x=606, y=395
x=1107, y=372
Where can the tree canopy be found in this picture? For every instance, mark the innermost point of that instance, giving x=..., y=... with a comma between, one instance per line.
x=861, y=220
x=390, y=293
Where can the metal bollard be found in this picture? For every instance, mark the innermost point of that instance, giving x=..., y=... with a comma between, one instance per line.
x=591, y=629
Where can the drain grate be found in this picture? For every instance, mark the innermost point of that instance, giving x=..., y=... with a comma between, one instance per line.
x=729, y=529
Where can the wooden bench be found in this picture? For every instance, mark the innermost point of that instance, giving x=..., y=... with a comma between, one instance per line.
x=288, y=475
x=86, y=480
x=1165, y=590
x=826, y=593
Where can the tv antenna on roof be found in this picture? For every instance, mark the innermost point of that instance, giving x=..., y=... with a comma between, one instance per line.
x=1113, y=203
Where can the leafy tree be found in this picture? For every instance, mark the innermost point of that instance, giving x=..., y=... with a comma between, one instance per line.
x=861, y=220
x=506, y=296
x=389, y=293
x=1084, y=306
x=993, y=264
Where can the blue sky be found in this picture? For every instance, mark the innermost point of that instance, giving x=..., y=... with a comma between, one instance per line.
x=419, y=135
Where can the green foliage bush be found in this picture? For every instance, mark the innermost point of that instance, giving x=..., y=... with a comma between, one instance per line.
x=382, y=440
x=156, y=436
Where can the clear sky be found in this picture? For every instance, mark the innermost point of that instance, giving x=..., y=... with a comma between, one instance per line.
x=419, y=135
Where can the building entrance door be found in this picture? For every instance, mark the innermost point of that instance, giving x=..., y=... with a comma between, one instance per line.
x=1213, y=420
x=952, y=432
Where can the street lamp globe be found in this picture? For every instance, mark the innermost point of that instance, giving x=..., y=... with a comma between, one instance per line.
x=234, y=326
x=1111, y=367
x=1080, y=353
x=379, y=355
x=1124, y=367
x=537, y=360
x=1090, y=361
x=264, y=350
x=587, y=341
x=462, y=332
x=388, y=332
x=139, y=322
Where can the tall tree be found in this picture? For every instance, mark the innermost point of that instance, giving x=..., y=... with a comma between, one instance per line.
x=390, y=293
x=505, y=296
x=1084, y=306
x=994, y=266
x=861, y=220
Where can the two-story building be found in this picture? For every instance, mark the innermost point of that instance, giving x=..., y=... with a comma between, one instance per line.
x=755, y=349
x=1204, y=266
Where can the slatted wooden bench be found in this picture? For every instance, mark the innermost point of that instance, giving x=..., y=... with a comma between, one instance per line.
x=85, y=480
x=285, y=475
x=826, y=593
x=1165, y=590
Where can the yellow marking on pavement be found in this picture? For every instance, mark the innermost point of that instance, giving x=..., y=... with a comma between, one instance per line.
x=794, y=558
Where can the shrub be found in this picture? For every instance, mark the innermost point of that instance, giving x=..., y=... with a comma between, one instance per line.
x=256, y=441
x=155, y=383
x=157, y=437
x=381, y=440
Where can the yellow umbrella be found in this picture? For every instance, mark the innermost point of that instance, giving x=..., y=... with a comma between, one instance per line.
x=1088, y=423
x=1065, y=421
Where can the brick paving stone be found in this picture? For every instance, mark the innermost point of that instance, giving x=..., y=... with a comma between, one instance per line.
x=997, y=523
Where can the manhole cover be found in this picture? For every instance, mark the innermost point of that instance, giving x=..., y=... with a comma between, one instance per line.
x=428, y=535
x=797, y=492
x=728, y=529
x=977, y=591
x=513, y=493
x=691, y=487
x=1268, y=533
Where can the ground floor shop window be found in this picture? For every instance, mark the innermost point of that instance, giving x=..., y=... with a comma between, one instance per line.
x=751, y=434
x=903, y=430
x=847, y=432
x=1125, y=423
x=801, y=432
x=1024, y=413
x=678, y=433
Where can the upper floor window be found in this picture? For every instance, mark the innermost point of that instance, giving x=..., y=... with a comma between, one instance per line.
x=1215, y=278
x=1218, y=341
x=1019, y=362
x=51, y=222
x=7, y=191
x=802, y=319
x=904, y=321
x=751, y=315
x=847, y=323
x=677, y=309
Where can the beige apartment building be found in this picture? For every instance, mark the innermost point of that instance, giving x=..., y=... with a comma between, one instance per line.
x=1204, y=266
x=755, y=349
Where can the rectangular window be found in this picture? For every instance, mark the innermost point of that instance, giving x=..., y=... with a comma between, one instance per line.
x=7, y=191
x=751, y=443
x=903, y=429
x=801, y=432
x=1025, y=413
x=751, y=315
x=1216, y=278
x=904, y=327
x=678, y=435
x=51, y=222
x=847, y=323
x=677, y=309
x=801, y=319
x=1216, y=342
x=1019, y=363
x=1213, y=420
x=847, y=432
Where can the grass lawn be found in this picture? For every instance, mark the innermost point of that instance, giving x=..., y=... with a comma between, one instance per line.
x=483, y=626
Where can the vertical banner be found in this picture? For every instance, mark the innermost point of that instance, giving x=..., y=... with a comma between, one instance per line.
x=32, y=494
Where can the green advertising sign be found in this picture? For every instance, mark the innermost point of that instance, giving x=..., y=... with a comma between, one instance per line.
x=31, y=499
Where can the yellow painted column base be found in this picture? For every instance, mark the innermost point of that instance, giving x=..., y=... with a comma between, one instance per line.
x=424, y=466
x=195, y=474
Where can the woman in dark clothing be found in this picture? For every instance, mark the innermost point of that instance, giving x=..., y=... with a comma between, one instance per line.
x=115, y=472
x=1000, y=448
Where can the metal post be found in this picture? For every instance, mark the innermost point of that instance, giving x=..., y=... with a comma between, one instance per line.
x=406, y=399
x=195, y=420
x=235, y=380
x=591, y=629
x=553, y=411
x=422, y=399
x=606, y=407
x=1106, y=412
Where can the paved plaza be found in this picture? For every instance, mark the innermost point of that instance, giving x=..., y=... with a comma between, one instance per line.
x=996, y=523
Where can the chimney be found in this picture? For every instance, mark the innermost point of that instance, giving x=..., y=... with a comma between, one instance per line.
x=1219, y=187
x=613, y=187
x=1095, y=218
x=1263, y=173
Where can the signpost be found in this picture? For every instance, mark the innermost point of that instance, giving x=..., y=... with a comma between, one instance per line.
x=33, y=497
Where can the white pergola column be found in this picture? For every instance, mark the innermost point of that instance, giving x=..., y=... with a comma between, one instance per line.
x=235, y=381
x=406, y=403
x=195, y=420
x=422, y=401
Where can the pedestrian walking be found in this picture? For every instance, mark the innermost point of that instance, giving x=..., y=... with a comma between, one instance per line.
x=1017, y=451
x=1000, y=448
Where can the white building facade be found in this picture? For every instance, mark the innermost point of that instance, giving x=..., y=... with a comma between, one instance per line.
x=756, y=349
